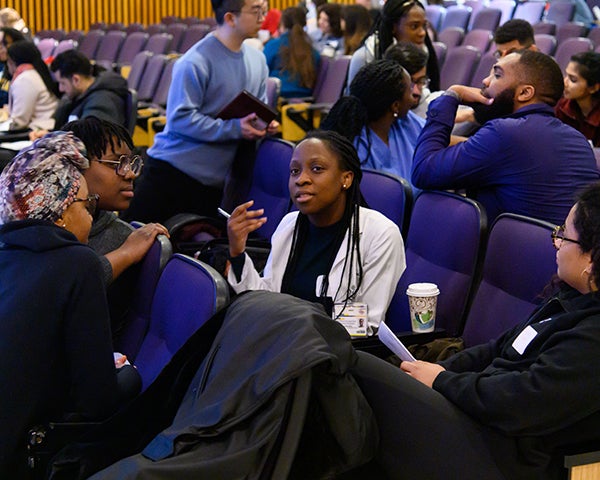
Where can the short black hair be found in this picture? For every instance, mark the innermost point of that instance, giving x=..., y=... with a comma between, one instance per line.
x=516, y=29
x=541, y=71
x=97, y=135
x=13, y=33
x=408, y=55
x=221, y=7
x=72, y=62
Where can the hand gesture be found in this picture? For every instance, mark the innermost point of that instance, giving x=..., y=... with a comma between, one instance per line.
x=471, y=95
x=241, y=223
x=273, y=127
x=139, y=242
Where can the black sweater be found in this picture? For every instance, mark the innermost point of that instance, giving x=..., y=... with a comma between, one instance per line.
x=543, y=396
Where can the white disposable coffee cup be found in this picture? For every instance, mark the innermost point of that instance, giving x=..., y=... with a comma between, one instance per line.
x=422, y=300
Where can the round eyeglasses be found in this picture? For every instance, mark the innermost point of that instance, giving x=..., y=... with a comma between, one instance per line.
x=92, y=203
x=126, y=164
x=558, y=237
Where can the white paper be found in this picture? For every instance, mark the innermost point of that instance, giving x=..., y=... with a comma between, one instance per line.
x=16, y=146
x=391, y=341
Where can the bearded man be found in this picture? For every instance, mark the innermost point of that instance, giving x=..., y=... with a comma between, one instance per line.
x=523, y=159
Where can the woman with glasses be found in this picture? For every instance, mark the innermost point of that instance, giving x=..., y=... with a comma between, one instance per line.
x=111, y=173
x=400, y=20
x=55, y=340
x=376, y=117
x=508, y=408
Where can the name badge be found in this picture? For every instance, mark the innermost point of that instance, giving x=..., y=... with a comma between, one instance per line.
x=72, y=118
x=524, y=339
x=353, y=316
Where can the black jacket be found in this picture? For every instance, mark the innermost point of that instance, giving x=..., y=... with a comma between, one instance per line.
x=105, y=98
x=231, y=415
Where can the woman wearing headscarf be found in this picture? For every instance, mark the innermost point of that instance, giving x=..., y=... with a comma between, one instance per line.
x=55, y=340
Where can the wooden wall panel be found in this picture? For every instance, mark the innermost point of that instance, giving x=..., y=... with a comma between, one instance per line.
x=80, y=14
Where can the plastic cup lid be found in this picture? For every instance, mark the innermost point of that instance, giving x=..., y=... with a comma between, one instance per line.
x=423, y=290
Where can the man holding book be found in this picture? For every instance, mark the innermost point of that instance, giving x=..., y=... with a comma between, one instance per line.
x=191, y=158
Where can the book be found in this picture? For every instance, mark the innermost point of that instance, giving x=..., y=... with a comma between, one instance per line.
x=391, y=341
x=245, y=104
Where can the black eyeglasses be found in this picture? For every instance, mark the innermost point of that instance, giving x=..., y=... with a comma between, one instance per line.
x=92, y=203
x=558, y=236
x=126, y=164
x=258, y=11
x=421, y=82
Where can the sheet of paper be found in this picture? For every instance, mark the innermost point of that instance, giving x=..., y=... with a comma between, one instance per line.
x=391, y=341
x=16, y=146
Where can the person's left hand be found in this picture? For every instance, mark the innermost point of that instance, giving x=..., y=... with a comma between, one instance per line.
x=424, y=372
x=273, y=127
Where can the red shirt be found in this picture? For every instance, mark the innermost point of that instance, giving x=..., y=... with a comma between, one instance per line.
x=570, y=113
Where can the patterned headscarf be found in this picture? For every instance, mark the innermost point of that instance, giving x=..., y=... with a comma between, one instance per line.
x=43, y=180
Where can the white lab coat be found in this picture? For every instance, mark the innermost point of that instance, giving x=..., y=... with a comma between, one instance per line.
x=382, y=256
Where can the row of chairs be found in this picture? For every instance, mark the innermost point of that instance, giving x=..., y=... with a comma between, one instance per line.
x=477, y=14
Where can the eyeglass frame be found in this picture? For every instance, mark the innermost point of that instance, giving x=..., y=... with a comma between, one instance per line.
x=421, y=82
x=92, y=203
x=259, y=13
x=120, y=164
x=555, y=238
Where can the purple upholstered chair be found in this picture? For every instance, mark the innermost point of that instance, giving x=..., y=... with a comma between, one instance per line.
x=451, y=36
x=75, y=35
x=570, y=47
x=152, y=265
x=547, y=28
x=570, y=30
x=151, y=77
x=138, y=66
x=110, y=45
x=507, y=7
x=46, y=46
x=459, y=66
x=90, y=42
x=456, y=16
x=269, y=188
x=480, y=39
x=443, y=246
x=177, y=30
x=159, y=43
x=388, y=194
x=134, y=27
x=188, y=293
x=65, y=45
x=189, y=21
x=440, y=52
x=133, y=44
x=560, y=12
x=435, y=15
x=519, y=262
x=273, y=90
x=545, y=43
x=531, y=11
x=483, y=69
x=192, y=35
x=487, y=19
x=57, y=34
x=475, y=6
x=594, y=35
x=120, y=26
x=155, y=28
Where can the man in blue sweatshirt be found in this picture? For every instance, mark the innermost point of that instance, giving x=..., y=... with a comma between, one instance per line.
x=191, y=158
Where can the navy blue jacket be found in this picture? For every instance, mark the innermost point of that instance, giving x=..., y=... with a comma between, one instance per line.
x=529, y=163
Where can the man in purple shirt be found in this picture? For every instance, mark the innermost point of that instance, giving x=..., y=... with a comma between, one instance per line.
x=523, y=160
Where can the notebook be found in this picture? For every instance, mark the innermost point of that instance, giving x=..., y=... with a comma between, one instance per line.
x=245, y=104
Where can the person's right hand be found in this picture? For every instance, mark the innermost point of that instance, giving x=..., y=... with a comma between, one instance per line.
x=139, y=242
x=471, y=95
x=241, y=223
x=35, y=134
x=249, y=131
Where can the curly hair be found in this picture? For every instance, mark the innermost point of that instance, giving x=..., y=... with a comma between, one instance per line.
x=334, y=15
x=587, y=224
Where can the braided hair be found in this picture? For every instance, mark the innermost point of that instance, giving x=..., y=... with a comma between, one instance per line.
x=344, y=151
x=373, y=90
x=392, y=12
x=97, y=135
